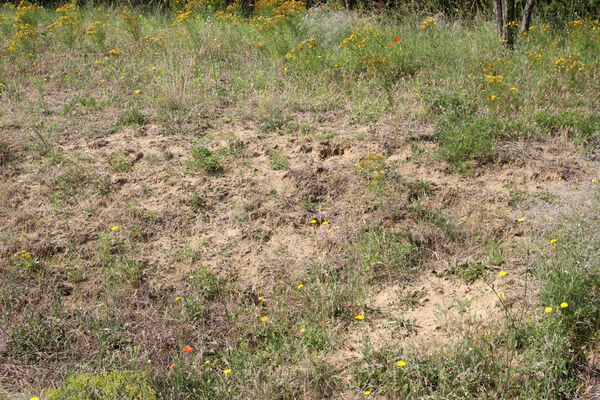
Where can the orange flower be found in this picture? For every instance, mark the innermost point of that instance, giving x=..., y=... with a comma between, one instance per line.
x=187, y=349
x=172, y=366
x=396, y=39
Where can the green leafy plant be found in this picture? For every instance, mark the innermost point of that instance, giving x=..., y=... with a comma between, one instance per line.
x=104, y=386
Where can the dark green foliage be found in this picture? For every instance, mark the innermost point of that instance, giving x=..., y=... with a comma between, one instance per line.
x=469, y=272
x=274, y=122
x=579, y=126
x=132, y=116
x=206, y=160
x=79, y=101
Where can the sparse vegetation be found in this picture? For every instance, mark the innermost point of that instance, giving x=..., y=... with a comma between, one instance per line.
x=205, y=160
x=278, y=162
x=287, y=199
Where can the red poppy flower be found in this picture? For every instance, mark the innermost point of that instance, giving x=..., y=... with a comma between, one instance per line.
x=172, y=366
x=390, y=45
x=396, y=39
x=187, y=349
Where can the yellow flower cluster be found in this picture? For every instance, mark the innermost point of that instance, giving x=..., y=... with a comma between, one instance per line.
x=23, y=33
x=190, y=8
x=227, y=16
x=158, y=39
x=23, y=259
x=24, y=25
x=570, y=63
x=289, y=7
x=113, y=53
x=131, y=24
x=69, y=17
x=26, y=13
x=360, y=37
x=267, y=23
x=494, y=78
x=428, y=23
x=184, y=16
x=97, y=31
x=93, y=28
x=535, y=56
x=24, y=254
x=575, y=27
x=262, y=5
x=301, y=47
x=373, y=62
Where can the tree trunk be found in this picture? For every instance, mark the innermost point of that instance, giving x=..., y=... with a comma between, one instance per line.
x=499, y=18
x=509, y=22
x=526, y=21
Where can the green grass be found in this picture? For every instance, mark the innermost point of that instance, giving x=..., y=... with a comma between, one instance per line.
x=105, y=386
x=205, y=160
x=278, y=162
x=120, y=162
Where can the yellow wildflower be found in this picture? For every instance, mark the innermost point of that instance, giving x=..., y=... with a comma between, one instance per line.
x=227, y=371
x=400, y=363
x=302, y=330
x=368, y=392
x=300, y=286
x=553, y=241
x=428, y=23
x=564, y=305
x=548, y=310
x=359, y=317
x=264, y=319
x=500, y=294
x=502, y=273
x=114, y=228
